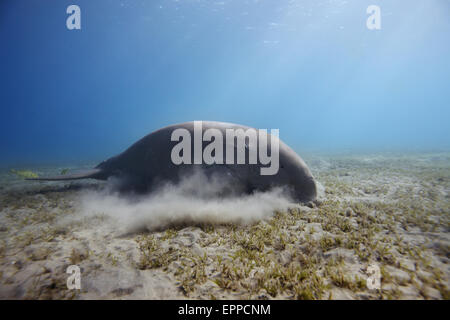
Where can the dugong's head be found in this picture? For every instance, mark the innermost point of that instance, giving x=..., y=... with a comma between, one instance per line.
x=294, y=172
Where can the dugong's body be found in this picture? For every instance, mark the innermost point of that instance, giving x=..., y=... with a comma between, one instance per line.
x=148, y=163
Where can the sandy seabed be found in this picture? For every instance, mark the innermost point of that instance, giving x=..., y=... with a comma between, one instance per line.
x=386, y=210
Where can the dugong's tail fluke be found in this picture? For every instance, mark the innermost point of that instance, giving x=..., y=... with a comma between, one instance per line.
x=92, y=173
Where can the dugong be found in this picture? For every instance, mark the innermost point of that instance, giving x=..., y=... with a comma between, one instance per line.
x=150, y=161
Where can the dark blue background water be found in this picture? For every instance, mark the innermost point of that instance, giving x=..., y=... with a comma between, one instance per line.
x=310, y=68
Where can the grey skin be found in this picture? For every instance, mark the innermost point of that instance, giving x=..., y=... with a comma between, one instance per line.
x=147, y=164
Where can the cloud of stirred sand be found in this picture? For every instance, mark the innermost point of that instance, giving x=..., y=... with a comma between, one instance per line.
x=195, y=199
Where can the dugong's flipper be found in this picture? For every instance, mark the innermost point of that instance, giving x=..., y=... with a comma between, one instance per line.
x=92, y=173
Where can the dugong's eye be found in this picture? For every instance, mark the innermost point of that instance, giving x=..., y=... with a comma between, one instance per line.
x=282, y=167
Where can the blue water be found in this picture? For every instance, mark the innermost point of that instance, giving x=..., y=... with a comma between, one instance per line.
x=309, y=68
